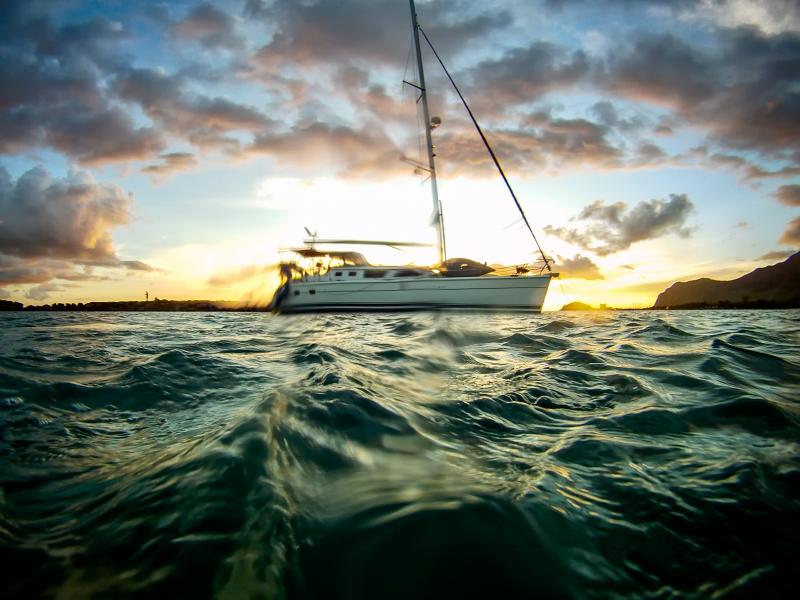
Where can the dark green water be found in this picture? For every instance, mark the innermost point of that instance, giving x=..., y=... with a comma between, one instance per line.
x=589, y=455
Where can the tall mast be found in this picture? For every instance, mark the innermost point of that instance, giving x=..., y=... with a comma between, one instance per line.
x=437, y=205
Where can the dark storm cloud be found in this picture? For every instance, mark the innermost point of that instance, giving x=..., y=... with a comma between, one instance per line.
x=59, y=218
x=610, y=228
x=788, y=195
x=578, y=267
x=319, y=32
x=791, y=235
x=210, y=27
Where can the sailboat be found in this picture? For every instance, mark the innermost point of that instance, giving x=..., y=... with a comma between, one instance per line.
x=317, y=279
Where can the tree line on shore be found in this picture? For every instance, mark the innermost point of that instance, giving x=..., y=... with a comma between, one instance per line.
x=133, y=305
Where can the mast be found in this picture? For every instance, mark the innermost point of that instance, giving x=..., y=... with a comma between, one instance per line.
x=437, y=205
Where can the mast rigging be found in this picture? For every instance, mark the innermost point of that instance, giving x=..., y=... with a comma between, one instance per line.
x=436, y=202
x=437, y=205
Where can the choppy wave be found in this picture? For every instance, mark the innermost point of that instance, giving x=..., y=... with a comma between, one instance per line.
x=631, y=454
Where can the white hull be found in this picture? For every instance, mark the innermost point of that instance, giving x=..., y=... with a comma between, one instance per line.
x=477, y=293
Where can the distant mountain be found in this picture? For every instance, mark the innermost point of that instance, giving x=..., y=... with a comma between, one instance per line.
x=778, y=284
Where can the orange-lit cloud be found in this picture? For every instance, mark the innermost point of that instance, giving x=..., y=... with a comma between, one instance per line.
x=59, y=228
x=788, y=195
x=791, y=235
x=210, y=27
x=171, y=162
x=578, y=267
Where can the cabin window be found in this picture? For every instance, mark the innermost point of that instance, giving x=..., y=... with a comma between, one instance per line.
x=338, y=273
x=297, y=292
x=352, y=273
x=372, y=273
x=407, y=273
x=312, y=292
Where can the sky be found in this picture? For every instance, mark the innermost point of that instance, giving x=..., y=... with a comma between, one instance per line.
x=176, y=147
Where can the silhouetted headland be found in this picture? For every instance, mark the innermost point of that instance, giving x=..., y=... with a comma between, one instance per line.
x=776, y=286
x=577, y=306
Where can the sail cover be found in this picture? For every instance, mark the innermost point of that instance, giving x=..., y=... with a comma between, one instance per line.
x=463, y=267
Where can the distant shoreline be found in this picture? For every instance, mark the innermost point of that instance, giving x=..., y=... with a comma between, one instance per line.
x=233, y=306
x=721, y=305
x=136, y=306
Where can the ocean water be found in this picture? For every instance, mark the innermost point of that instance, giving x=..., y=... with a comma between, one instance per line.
x=583, y=455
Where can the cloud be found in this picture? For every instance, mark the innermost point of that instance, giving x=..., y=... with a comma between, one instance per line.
x=52, y=93
x=373, y=31
x=661, y=69
x=791, y=235
x=28, y=270
x=613, y=227
x=43, y=291
x=67, y=87
x=608, y=115
x=743, y=92
x=209, y=27
x=201, y=120
x=14, y=270
x=345, y=150
x=94, y=138
x=788, y=195
x=41, y=216
x=748, y=170
x=171, y=162
x=137, y=265
x=771, y=17
x=524, y=74
x=578, y=267
x=544, y=142
x=776, y=255
x=230, y=277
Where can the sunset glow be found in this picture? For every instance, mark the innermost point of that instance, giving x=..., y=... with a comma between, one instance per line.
x=174, y=149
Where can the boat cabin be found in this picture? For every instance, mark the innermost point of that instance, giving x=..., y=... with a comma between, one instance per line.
x=310, y=264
